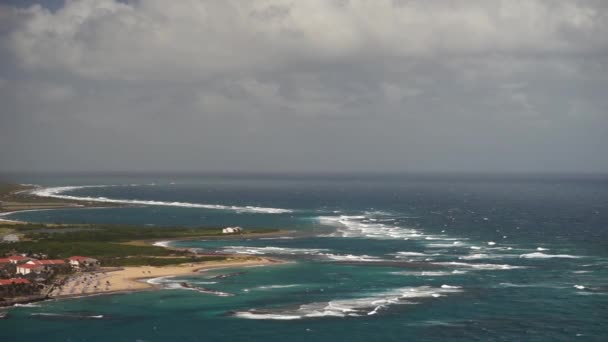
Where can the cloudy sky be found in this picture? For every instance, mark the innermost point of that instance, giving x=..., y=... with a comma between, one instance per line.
x=304, y=85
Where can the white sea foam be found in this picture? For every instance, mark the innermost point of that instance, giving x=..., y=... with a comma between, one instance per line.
x=483, y=267
x=271, y=287
x=355, y=307
x=273, y=250
x=28, y=305
x=76, y=316
x=424, y=273
x=446, y=245
x=160, y=280
x=482, y=256
x=538, y=255
x=450, y=287
x=351, y=257
x=579, y=287
x=362, y=226
x=162, y=244
x=57, y=192
x=411, y=254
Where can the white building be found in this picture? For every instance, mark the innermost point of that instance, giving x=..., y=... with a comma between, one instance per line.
x=29, y=268
x=232, y=230
x=81, y=262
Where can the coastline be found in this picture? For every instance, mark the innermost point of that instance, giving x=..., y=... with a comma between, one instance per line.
x=107, y=281
x=17, y=198
x=136, y=278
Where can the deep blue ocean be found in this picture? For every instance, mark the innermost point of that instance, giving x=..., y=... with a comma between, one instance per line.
x=382, y=258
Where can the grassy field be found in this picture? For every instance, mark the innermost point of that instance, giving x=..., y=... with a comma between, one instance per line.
x=113, y=245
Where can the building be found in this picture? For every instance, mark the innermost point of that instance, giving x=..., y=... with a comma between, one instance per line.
x=13, y=281
x=18, y=259
x=10, y=238
x=232, y=230
x=81, y=262
x=25, y=269
x=54, y=262
x=5, y=261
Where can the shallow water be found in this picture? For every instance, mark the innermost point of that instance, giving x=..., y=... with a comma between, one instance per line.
x=433, y=259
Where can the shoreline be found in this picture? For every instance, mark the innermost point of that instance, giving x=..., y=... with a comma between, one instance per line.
x=136, y=278
x=15, y=199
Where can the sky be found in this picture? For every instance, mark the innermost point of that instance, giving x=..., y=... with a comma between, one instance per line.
x=304, y=86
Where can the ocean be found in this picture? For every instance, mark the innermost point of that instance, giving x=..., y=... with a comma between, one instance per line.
x=380, y=258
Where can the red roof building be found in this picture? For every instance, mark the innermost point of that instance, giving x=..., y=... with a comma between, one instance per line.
x=46, y=262
x=15, y=259
x=6, y=282
x=5, y=261
x=29, y=268
x=78, y=258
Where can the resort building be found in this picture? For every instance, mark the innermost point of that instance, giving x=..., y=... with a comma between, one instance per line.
x=81, y=262
x=18, y=259
x=13, y=281
x=232, y=230
x=46, y=262
x=25, y=269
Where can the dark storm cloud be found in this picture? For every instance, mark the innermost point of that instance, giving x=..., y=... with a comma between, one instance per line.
x=275, y=85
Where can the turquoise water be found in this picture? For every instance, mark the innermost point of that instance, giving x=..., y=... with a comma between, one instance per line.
x=420, y=259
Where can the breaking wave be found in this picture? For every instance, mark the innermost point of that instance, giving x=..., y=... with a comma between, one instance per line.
x=272, y=250
x=57, y=192
x=484, y=267
x=371, y=227
x=428, y=273
x=355, y=307
x=538, y=255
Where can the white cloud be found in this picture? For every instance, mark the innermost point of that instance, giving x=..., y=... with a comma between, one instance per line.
x=366, y=85
x=190, y=39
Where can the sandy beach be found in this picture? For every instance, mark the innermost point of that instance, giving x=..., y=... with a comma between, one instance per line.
x=126, y=279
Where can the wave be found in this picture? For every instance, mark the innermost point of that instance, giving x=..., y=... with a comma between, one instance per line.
x=538, y=255
x=162, y=244
x=446, y=245
x=57, y=192
x=366, y=226
x=412, y=254
x=351, y=257
x=355, y=307
x=271, y=287
x=427, y=273
x=273, y=250
x=482, y=256
x=72, y=316
x=28, y=305
x=487, y=267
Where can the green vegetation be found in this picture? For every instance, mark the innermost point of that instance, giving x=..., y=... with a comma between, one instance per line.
x=112, y=245
x=137, y=261
x=62, y=250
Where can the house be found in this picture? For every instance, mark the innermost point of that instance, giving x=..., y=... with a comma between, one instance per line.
x=81, y=262
x=18, y=259
x=232, y=230
x=13, y=281
x=4, y=261
x=29, y=268
x=46, y=262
